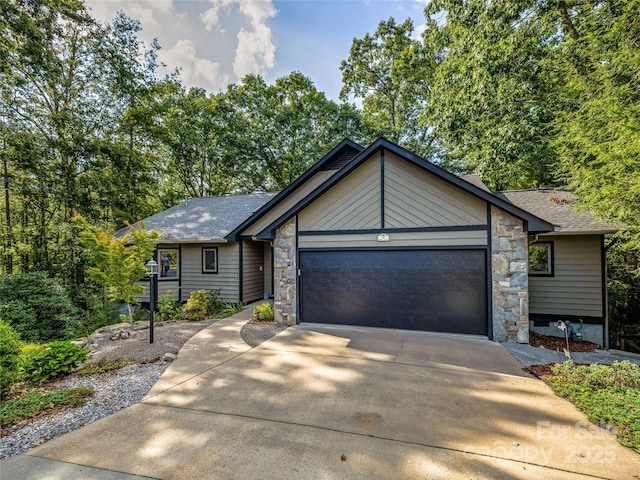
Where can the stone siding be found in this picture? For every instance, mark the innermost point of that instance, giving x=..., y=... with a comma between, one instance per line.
x=509, y=277
x=285, y=271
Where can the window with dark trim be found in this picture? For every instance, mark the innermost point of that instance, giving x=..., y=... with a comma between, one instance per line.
x=209, y=259
x=168, y=263
x=541, y=259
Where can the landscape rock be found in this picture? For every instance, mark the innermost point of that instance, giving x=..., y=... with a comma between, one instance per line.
x=169, y=357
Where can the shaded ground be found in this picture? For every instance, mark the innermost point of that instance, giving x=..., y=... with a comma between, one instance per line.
x=254, y=333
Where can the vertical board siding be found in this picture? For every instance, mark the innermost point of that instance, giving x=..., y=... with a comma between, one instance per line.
x=304, y=190
x=226, y=279
x=268, y=268
x=252, y=270
x=415, y=198
x=353, y=203
x=576, y=287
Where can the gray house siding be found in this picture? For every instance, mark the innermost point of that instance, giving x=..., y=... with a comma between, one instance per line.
x=576, y=286
x=252, y=271
x=415, y=199
x=226, y=279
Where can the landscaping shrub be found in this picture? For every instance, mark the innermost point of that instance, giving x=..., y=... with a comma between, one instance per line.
x=608, y=394
x=168, y=308
x=263, y=312
x=10, y=346
x=215, y=302
x=230, y=309
x=37, y=306
x=196, y=307
x=55, y=359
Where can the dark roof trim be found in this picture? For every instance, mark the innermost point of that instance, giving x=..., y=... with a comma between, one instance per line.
x=535, y=224
x=336, y=152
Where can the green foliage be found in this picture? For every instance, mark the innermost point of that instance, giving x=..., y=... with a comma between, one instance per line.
x=105, y=366
x=197, y=306
x=118, y=263
x=391, y=72
x=56, y=359
x=263, y=312
x=215, y=301
x=34, y=402
x=608, y=394
x=168, y=308
x=37, y=306
x=230, y=309
x=10, y=346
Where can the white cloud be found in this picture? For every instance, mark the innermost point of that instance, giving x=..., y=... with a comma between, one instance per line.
x=211, y=17
x=256, y=52
x=195, y=71
x=143, y=10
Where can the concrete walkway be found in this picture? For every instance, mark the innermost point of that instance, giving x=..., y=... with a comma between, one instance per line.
x=337, y=403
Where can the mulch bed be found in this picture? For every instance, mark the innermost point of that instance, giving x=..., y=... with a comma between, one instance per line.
x=556, y=344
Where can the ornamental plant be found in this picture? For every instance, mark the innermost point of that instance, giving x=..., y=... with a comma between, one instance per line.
x=263, y=312
x=57, y=358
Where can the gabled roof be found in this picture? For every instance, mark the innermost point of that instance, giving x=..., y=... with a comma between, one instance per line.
x=204, y=218
x=337, y=158
x=534, y=223
x=558, y=207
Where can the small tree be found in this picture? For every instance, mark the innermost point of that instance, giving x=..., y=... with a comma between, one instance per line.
x=118, y=263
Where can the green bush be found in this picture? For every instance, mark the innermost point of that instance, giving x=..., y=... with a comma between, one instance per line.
x=197, y=306
x=168, y=308
x=56, y=359
x=10, y=346
x=37, y=306
x=263, y=312
x=215, y=302
x=230, y=309
x=608, y=394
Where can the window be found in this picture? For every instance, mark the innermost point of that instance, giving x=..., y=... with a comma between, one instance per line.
x=541, y=259
x=169, y=263
x=209, y=260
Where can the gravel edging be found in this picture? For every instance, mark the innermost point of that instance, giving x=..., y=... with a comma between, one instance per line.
x=114, y=390
x=528, y=355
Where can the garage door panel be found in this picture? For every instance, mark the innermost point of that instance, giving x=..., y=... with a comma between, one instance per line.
x=437, y=290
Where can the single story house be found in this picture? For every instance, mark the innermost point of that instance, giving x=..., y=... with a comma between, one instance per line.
x=377, y=236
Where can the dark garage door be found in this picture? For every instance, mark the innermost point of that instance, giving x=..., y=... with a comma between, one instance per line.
x=436, y=290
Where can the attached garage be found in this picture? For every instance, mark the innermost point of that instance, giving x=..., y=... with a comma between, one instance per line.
x=435, y=290
x=380, y=237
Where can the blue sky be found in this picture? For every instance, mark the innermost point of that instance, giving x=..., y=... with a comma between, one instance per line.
x=216, y=42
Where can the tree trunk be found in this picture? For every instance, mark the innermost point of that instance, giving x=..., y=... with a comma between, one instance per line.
x=8, y=256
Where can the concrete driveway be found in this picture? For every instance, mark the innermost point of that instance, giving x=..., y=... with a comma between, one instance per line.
x=323, y=402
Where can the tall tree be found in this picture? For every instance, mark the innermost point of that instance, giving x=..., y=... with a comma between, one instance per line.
x=391, y=73
x=67, y=84
x=492, y=102
x=281, y=129
x=598, y=133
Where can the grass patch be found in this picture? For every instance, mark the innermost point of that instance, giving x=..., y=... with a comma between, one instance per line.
x=105, y=366
x=36, y=402
x=608, y=394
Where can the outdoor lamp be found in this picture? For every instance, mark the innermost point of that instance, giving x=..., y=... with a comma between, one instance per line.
x=152, y=271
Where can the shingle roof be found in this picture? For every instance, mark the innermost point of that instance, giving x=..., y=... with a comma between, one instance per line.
x=559, y=208
x=475, y=180
x=204, y=218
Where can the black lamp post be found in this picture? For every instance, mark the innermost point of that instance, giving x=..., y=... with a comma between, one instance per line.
x=152, y=271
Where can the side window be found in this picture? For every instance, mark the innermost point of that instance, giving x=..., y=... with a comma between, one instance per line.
x=541, y=258
x=169, y=263
x=209, y=260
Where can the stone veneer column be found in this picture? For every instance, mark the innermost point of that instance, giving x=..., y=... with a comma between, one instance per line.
x=284, y=273
x=509, y=277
